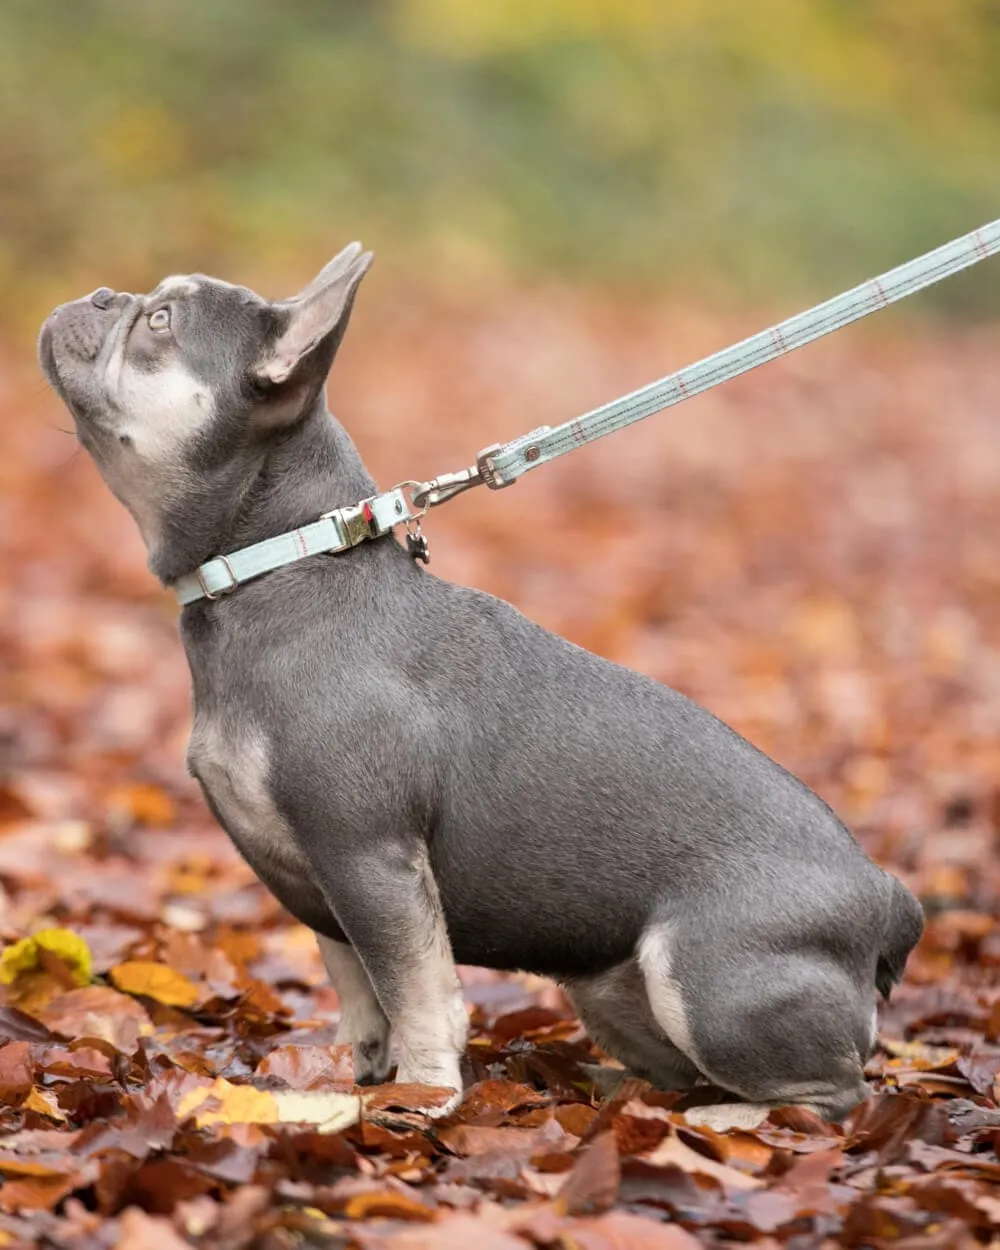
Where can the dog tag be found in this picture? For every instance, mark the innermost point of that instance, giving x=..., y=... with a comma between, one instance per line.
x=417, y=547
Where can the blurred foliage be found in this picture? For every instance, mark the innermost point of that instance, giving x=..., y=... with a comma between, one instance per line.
x=774, y=148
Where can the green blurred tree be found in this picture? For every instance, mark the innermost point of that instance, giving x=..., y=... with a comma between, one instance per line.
x=779, y=148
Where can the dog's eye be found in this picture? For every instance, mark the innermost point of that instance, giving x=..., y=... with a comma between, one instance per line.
x=159, y=320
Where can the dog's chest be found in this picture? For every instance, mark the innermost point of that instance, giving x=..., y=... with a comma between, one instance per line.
x=232, y=766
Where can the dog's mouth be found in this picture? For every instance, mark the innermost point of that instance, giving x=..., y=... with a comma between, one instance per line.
x=77, y=348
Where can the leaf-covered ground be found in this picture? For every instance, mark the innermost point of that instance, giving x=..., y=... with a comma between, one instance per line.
x=810, y=552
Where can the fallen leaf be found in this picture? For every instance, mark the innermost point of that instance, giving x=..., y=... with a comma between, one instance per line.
x=222, y=1102
x=16, y=1072
x=141, y=803
x=157, y=981
x=592, y=1185
x=477, y=1139
x=35, y=1193
x=672, y=1151
x=101, y=1012
x=390, y=1205
x=405, y=1097
x=64, y=944
x=79, y=1063
x=43, y=1102
x=331, y=1112
x=308, y=1067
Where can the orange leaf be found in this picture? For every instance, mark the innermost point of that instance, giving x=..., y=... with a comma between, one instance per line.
x=153, y=980
x=388, y=1204
x=143, y=803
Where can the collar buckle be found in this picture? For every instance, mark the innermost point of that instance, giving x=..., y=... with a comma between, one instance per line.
x=225, y=590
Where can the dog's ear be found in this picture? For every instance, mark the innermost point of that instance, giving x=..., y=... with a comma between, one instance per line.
x=314, y=323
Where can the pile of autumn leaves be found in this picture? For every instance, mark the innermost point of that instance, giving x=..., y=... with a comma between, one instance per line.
x=176, y=1098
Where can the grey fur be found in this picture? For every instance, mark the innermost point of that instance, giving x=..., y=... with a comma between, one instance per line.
x=421, y=775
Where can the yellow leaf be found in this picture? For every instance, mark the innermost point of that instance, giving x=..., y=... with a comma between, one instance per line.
x=228, y=1104
x=222, y=1102
x=43, y=1101
x=153, y=980
x=66, y=945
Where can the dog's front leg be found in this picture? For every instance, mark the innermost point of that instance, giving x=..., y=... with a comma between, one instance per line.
x=363, y=1023
x=389, y=909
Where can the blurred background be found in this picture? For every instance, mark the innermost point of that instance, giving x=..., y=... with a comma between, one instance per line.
x=714, y=148
x=567, y=198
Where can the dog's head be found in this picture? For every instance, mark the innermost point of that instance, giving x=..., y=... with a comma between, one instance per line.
x=171, y=387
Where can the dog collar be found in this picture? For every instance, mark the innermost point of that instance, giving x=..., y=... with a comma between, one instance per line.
x=335, y=531
x=342, y=529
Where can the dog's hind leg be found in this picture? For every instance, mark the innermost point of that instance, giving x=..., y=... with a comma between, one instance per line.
x=363, y=1024
x=615, y=1011
x=775, y=1028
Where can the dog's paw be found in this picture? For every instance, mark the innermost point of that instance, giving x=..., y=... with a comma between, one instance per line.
x=442, y=1070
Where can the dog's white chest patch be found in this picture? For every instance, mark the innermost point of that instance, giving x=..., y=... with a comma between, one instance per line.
x=232, y=766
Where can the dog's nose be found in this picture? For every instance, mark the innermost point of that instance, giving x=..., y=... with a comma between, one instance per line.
x=103, y=297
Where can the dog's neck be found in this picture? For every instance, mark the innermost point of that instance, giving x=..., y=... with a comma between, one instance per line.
x=276, y=487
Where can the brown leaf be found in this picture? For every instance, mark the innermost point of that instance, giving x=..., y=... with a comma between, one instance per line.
x=35, y=1193
x=982, y=1069
x=576, y=1117
x=531, y=1022
x=384, y=1098
x=672, y=1151
x=101, y=1012
x=84, y=1061
x=309, y=1067
x=498, y=1096
x=16, y=1072
x=476, y=1139
x=18, y=1026
x=592, y=1186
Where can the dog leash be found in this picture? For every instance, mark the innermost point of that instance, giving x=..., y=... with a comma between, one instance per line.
x=500, y=465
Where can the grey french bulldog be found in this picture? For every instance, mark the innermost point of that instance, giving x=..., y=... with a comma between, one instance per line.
x=423, y=776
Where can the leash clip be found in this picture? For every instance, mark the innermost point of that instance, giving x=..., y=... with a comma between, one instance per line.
x=444, y=487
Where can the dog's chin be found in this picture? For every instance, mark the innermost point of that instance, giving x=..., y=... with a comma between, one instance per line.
x=72, y=377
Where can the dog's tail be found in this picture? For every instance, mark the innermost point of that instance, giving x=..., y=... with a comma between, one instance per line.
x=903, y=927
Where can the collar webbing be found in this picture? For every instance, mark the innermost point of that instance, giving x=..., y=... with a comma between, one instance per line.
x=334, y=532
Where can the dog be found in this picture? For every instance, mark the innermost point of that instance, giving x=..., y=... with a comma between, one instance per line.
x=423, y=776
